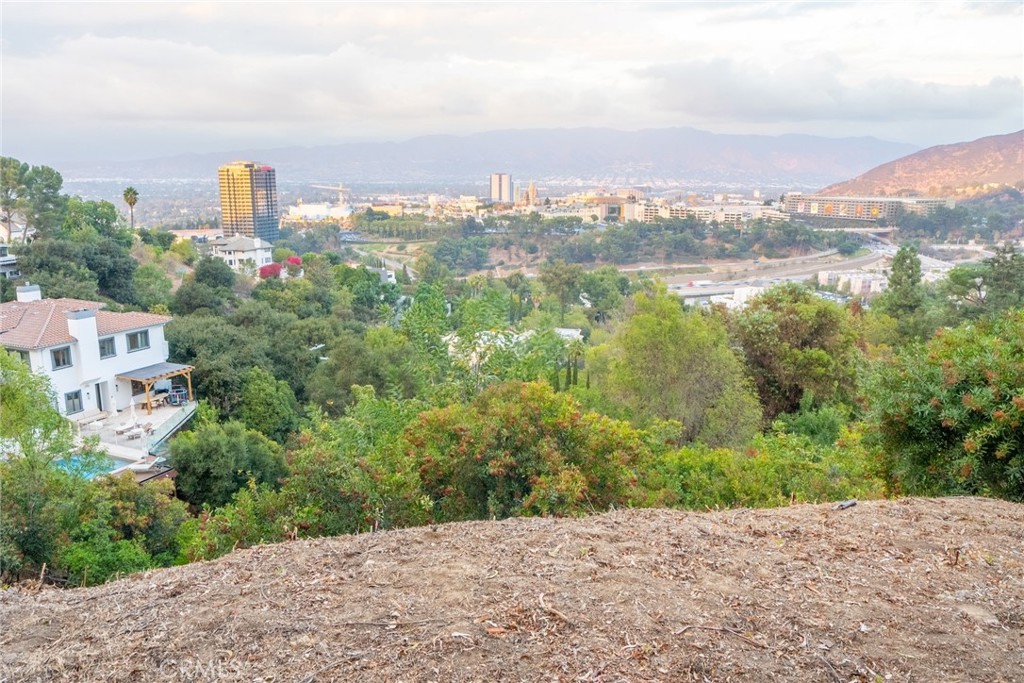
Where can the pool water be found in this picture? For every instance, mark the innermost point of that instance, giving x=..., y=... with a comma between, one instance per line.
x=91, y=467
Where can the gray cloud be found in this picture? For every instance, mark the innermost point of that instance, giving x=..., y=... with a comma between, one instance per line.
x=136, y=79
x=813, y=90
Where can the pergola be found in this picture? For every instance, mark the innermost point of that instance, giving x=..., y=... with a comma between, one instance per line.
x=152, y=374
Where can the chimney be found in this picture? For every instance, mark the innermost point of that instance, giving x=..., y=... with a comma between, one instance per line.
x=29, y=292
x=82, y=326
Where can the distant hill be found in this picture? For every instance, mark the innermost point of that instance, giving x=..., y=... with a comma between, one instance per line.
x=912, y=589
x=599, y=154
x=963, y=169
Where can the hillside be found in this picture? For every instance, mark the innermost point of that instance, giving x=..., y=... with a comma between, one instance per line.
x=963, y=169
x=600, y=154
x=915, y=589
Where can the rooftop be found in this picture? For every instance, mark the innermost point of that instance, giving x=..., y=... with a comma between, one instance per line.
x=43, y=323
x=239, y=243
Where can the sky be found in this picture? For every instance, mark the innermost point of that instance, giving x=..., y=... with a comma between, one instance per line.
x=131, y=80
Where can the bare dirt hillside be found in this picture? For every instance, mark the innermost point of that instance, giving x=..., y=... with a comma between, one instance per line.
x=910, y=590
x=965, y=168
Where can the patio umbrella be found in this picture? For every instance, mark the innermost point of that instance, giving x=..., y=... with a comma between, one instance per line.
x=135, y=420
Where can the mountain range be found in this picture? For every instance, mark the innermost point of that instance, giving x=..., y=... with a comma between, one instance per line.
x=959, y=170
x=612, y=156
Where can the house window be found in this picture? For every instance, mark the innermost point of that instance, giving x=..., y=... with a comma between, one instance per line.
x=107, y=348
x=61, y=357
x=73, y=402
x=23, y=355
x=138, y=341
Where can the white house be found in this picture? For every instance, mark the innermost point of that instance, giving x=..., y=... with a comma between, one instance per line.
x=238, y=251
x=8, y=263
x=97, y=361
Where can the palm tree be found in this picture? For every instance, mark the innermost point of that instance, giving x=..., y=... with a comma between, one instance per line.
x=131, y=195
x=575, y=350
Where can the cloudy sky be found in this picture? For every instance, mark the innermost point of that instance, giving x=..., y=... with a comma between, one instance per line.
x=124, y=80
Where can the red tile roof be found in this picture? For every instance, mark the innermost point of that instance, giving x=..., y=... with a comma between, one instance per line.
x=40, y=324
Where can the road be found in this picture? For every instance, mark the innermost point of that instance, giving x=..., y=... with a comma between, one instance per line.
x=725, y=282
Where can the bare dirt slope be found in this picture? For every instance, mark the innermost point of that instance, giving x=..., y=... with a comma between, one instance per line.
x=910, y=590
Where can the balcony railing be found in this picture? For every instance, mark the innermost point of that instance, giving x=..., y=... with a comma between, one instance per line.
x=173, y=424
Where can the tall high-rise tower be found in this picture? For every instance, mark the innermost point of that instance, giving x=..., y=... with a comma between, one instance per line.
x=248, y=200
x=501, y=188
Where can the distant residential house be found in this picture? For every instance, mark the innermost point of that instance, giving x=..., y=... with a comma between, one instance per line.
x=97, y=361
x=386, y=276
x=240, y=252
x=8, y=263
x=570, y=334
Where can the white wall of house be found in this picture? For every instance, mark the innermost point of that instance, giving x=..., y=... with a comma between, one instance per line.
x=260, y=255
x=88, y=370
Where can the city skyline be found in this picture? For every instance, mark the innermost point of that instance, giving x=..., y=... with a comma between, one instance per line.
x=136, y=81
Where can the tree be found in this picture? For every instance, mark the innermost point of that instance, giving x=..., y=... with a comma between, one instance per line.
x=381, y=358
x=564, y=282
x=38, y=497
x=950, y=414
x=214, y=461
x=152, y=286
x=987, y=288
x=522, y=449
x=665, y=364
x=131, y=196
x=213, y=272
x=904, y=294
x=13, y=190
x=268, y=405
x=92, y=221
x=46, y=205
x=193, y=296
x=795, y=342
x=80, y=269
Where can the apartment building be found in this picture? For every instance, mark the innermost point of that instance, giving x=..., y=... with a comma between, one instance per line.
x=248, y=200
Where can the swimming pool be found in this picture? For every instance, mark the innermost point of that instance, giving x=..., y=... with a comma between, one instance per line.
x=90, y=467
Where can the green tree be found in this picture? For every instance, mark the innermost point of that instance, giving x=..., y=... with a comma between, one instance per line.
x=192, y=297
x=268, y=405
x=663, y=363
x=214, y=461
x=37, y=495
x=13, y=190
x=564, y=282
x=95, y=555
x=152, y=286
x=381, y=358
x=92, y=221
x=905, y=293
x=987, y=288
x=80, y=269
x=131, y=197
x=795, y=342
x=46, y=204
x=522, y=449
x=950, y=415
x=214, y=273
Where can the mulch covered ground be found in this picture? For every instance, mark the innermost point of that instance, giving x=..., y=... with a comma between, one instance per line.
x=908, y=590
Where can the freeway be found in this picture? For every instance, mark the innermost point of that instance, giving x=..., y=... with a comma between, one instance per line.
x=730, y=276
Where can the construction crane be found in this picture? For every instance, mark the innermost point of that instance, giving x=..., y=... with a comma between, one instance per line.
x=340, y=189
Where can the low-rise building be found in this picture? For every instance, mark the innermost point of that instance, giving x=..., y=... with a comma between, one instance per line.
x=860, y=208
x=855, y=282
x=240, y=252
